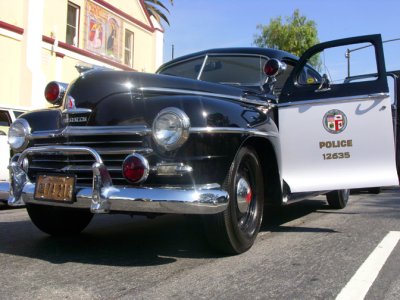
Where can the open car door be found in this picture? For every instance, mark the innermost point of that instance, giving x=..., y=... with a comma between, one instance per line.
x=335, y=133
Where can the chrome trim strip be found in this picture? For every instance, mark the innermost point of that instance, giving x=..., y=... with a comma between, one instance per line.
x=143, y=151
x=182, y=91
x=106, y=130
x=171, y=169
x=60, y=150
x=91, y=130
x=81, y=168
x=98, y=143
x=206, y=94
x=233, y=130
x=75, y=111
x=134, y=130
x=378, y=96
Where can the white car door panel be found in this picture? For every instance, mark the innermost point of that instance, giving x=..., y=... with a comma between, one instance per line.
x=362, y=155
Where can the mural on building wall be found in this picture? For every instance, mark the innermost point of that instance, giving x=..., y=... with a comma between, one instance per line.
x=103, y=32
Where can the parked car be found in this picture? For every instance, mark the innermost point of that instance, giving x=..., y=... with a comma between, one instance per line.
x=7, y=116
x=218, y=133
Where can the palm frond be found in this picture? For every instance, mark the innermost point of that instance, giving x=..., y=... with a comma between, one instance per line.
x=153, y=10
x=156, y=2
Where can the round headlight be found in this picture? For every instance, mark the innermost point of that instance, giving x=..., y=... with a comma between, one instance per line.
x=18, y=134
x=171, y=128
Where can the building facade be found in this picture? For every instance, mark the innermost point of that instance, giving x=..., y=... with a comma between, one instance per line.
x=43, y=40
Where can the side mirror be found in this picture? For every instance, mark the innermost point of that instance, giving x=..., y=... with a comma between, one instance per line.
x=325, y=84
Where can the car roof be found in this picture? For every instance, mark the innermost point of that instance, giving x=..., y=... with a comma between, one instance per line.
x=268, y=52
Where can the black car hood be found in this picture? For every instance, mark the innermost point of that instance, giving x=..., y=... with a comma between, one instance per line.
x=117, y=98
x=93, y=87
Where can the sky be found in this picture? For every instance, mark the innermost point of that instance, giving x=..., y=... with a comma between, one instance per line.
x=203, y=24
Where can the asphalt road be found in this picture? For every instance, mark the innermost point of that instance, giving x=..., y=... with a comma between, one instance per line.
x=304, y=251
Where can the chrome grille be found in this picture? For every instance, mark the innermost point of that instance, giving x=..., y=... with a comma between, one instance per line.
x=113, y=149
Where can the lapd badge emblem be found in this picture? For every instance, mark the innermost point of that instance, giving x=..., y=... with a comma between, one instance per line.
x=335, y=121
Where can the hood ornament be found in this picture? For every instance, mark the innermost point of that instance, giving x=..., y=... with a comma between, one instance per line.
x=70, y=103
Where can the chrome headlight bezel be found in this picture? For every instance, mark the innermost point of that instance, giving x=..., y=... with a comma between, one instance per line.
x=173, y=138
x=19, y=141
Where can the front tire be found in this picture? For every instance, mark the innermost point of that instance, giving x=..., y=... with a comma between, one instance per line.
x=338, y=199
x=235, y=230
x=59, y=221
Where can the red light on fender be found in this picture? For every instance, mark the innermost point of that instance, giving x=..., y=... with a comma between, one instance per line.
x=135, y=168
x=271, y=67
x=51, y=92
x=54, y=92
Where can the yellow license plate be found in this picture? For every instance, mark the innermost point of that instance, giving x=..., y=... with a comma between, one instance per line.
x=55, y=188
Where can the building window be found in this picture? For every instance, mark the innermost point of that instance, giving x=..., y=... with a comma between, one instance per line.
x=72, y=24
x=128, y=58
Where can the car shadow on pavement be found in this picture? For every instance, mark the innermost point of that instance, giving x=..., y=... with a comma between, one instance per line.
x=275, y=217
x=114, y=240
x=119, y=240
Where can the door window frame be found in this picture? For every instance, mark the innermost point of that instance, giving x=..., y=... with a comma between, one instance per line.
x=293, y=91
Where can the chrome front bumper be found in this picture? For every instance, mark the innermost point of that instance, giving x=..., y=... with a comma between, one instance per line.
x=103, y=197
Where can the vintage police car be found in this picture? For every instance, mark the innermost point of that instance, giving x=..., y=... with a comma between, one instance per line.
x=218, y=133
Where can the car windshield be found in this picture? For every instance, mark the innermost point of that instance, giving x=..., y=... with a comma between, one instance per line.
x=235, y=70
x=238, y=70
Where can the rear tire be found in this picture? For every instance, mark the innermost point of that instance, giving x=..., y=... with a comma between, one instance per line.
x=235, y=230
x=338, y=199
x=59, y=221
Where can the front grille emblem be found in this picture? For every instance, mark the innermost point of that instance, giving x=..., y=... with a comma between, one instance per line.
x=79, y=115
x=77, y=120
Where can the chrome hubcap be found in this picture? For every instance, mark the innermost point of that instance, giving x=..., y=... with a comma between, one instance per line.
x=243, y=195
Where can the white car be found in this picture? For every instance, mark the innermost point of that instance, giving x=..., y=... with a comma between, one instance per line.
x=7, y=116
